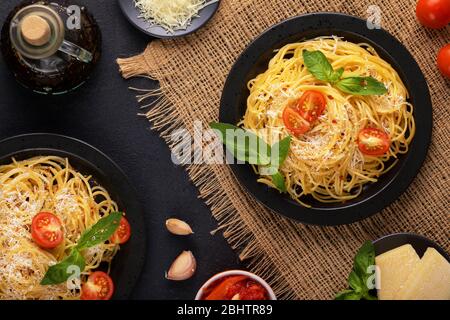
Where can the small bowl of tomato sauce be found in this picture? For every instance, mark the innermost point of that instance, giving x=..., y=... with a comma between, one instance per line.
x=235, y=285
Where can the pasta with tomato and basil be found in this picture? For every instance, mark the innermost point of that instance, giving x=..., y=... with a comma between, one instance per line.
x=346, y=110
x=54, y=219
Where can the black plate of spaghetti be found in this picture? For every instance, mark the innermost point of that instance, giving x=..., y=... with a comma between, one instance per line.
x=78, y=185
x=353, y=102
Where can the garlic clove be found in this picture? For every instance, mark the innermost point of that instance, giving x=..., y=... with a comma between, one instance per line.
x=236, y=297
x=183, y=267
x=178, y=227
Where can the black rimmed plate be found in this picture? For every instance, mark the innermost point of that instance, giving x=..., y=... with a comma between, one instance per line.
x=418, y=242
x=254, y=60
x=127, y=264
x=132, y=14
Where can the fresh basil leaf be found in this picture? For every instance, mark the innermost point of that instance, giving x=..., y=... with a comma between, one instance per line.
x=365, y=257
x=250, y=147
x=279, y=152
x=100, y=232
x=279, y=182
x=357, y=280
x=61, y=272
x=336, y=75
x=282, y=149
x=356, y=283
x=318, y=65
x=348, y=295
x=362, y=86
x=243, y=145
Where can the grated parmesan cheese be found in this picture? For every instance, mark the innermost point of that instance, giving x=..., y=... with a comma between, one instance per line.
x=172, y=15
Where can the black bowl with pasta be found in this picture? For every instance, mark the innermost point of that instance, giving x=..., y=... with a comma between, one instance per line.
x=372, y=196
x=102, y=176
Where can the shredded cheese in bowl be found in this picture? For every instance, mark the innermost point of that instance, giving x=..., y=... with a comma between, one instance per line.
x=172, y=15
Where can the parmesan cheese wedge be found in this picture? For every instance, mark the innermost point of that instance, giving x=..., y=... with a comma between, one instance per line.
x=394, y=268
x=429, y=280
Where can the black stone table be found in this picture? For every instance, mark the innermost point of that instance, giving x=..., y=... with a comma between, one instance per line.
x=103, y=112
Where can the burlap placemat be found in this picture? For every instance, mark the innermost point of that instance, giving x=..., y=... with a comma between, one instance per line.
x=299, y=261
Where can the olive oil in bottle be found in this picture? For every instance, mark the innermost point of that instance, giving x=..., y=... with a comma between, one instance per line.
x=51, y=46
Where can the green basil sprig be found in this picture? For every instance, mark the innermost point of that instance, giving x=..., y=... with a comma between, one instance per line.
x=321, y=69
x=97, y=234
x=237, y=142
x=359, y=275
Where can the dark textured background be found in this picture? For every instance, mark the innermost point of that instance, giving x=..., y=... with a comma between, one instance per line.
x=103, y=113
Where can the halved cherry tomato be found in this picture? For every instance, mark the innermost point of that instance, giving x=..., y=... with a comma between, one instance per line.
x=443, y=60
x=294, y=122
x=311, y=105
x=46, y=230
x=99, y=286
x=433, y=13
x=123, y=232
x=221, y=291
x=373, y=142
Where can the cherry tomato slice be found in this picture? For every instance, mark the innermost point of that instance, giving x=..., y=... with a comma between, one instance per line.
x=123, y=232
x=311, y=105
x=443, y=60
x=373, y=142
x=433, y=13
x=46, y=230
x=294, y=121
x=99, y=286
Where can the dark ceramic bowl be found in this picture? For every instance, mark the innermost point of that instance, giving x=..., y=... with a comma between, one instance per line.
x=132, y=14
x=127, y=264
x=390, y=186
x=418, y=242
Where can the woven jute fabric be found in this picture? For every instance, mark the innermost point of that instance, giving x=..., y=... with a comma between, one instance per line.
x=299, y=261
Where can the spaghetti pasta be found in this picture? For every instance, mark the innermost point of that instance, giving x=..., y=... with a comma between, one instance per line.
x=325, y=162
x=47, y=184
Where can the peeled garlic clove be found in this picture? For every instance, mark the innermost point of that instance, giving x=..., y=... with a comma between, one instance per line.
x=183, y=267
x=178, y=227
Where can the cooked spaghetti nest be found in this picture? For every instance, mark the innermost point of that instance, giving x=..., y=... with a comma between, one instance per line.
x=46, y=184
x=326, y=162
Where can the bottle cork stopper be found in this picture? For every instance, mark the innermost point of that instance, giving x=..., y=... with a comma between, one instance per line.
x=35, y=30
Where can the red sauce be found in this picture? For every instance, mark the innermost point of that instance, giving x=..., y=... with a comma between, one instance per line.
x=235, y=286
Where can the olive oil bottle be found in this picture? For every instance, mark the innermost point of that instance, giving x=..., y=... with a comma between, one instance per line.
x=51, y=46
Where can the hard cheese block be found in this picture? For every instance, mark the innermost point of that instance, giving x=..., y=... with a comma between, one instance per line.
x=394, y=268
x=430, y=279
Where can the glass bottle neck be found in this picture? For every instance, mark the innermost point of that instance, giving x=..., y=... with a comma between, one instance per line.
x=37, y=31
